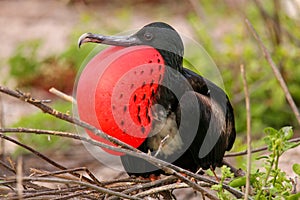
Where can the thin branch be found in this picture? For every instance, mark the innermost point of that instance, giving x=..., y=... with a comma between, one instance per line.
x=241, y=153
x=72, y=195
x=161, y=164
x=124, y=180
x=161, y=144
x=49, y=192
x=163, y=188
x=62, y=95
x=166, y=180
x=247, y=101
x=41, y=156
x=68, y=181
x=19, y=178
x=47, y=109
x=70, y=171
x=93, y=142
x=2, y=141
x=272, y=22
x=122, y=147
x=275, y=71
x=6, y=166
x=151, y=184
x=53, y=192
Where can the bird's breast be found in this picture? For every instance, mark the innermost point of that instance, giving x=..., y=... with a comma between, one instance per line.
x=164, y=138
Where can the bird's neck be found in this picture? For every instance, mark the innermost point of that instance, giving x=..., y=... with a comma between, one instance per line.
x=172, y=60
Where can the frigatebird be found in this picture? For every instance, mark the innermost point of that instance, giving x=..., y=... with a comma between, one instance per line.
x=192, y=119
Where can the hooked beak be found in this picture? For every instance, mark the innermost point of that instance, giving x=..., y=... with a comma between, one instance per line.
x=125, y=41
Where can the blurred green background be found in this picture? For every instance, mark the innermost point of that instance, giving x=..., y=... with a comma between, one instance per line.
x=39, y=49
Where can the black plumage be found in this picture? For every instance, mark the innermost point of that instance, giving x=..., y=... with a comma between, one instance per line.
x=195, y=123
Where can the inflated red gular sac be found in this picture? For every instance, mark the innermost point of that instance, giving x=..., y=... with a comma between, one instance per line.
x=115, y=92
x=139, y=92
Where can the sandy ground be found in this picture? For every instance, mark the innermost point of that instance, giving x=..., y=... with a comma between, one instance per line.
x=53, y=21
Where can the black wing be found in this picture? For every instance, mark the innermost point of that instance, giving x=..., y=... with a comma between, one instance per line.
x=205, y=121
x=216, y=128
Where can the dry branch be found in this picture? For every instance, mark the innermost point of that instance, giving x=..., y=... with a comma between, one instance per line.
x=170, y=169
x=242, y=153
x=2, y=141
x=275, y=71
x=59, y=166
x=62, y=95
x=69, y=181
x=122, y=147
x=247, y=102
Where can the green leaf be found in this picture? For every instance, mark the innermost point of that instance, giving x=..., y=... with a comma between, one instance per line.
x=270, y=131
x=216, y=187
x=261, y=157
x=209, y=172
x=294, y=196
x=290, y=145
x=287, y=132
x=241, y=181
x=238, y=182
x=296, y=168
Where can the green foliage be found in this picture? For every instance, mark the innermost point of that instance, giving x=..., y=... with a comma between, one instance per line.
x=296, y=168
x=42, y=121
x=223, y=34
x=24, y=63
x=271, y=182
x=241, y=181
x=223, y=194
x=72, y=55
x=30, y=70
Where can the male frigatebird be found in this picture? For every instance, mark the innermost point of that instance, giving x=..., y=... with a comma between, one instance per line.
x=191, y=118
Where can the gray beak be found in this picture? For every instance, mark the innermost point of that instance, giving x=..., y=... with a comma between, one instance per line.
x=109, y=40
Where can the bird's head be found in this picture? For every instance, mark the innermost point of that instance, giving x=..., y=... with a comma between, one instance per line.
x=158, y=35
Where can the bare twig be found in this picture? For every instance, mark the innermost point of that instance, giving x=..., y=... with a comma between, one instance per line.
x=72, y=195
x=62, y=95
x=93, y=142
x=272, y=27
x=151, y=184
x=161, y=144
x=247, y=101
x=2, y=141
x=47, y=193
x=68, y=181
x=41, y=156
x=70, y=171
x=122, y=147
x=19, y=178
x=241, y=153
x=163, y=188
x=47, y=109
x=6, y=166
x=124, y=180
x=273, y=24
x=170, y=169
x=275, y=71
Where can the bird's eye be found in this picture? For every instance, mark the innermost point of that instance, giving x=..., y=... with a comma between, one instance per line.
x=148, y=36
